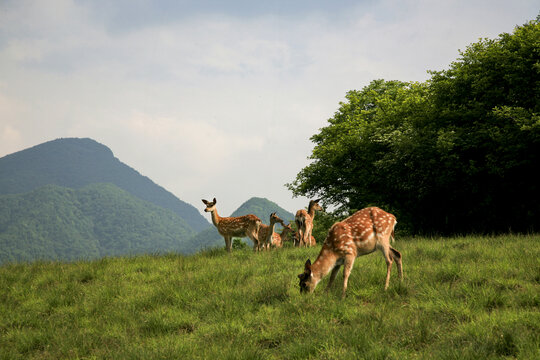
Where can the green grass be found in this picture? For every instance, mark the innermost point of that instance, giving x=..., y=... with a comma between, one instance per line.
x=462, y=298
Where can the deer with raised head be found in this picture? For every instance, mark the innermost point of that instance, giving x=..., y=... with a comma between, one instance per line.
x=229, y=227
x=362, y=233
x=266, y=232
x=278, y=239
x=304, y=222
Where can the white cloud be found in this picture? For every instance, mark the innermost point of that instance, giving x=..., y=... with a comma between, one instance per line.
x=200, y=146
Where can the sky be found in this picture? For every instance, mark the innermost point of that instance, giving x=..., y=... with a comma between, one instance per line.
x=218, y=98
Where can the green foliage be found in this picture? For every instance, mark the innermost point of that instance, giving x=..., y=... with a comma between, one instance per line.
x=238, y=244
x=465, y=297
x=75, y=163
x=98, y=220
x=455, y=154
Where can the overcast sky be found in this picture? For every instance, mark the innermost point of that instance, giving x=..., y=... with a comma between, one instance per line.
x=218, y=98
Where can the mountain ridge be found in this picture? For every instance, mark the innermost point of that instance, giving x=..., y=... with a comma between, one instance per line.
x=77, y=162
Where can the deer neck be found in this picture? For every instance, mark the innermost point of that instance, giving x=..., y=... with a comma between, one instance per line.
x=325, y=262
x=311, y=212
x=272, y=225
x=215, y=217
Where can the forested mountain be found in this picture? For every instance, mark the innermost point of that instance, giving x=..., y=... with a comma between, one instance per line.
x=260, y=207
x=97, y=220
x=75, y=163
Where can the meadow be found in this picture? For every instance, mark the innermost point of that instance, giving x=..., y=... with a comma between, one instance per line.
x=462, y=298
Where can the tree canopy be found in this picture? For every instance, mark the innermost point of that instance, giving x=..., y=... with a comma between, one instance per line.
x=454, y=154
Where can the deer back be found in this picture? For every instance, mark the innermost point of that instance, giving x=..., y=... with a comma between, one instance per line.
x=239, y=226
x=300, y=218
x=361, y=232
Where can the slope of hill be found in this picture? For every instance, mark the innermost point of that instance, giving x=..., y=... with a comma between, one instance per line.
x=75, y=163
x=261, y=207
x=242, y=305
x=97, y=220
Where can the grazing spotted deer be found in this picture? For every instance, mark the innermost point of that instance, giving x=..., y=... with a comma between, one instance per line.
x=362, y=233
x=229, y=227
x=304, y=222
x=266, y=232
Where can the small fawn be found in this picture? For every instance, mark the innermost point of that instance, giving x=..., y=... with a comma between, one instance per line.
x=304, y=223
x=229, y=227
x=362, y=233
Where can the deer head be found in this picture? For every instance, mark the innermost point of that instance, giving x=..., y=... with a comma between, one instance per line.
x=306, y=280
x=314, y=204
x=274, y=218
x=210, y=206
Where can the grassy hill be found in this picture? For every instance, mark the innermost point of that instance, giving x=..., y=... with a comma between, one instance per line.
x=75, y=163
x=54, y=222
x=462, y=298
x=260, y=207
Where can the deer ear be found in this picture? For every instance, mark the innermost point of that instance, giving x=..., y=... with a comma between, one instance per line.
x=317, y=200
x=307, y=266
x=215, y=200
x=205, y=202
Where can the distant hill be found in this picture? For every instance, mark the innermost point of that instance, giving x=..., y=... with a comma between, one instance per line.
x=75, y=163
x=258, y=206
x=97, y=220
x=263, y=207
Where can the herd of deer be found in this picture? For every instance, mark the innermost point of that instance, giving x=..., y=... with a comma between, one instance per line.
x=362, y=233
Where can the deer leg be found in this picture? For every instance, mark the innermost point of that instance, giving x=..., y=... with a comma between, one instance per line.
x=347, y=267
x=332, y=276
x=389, y=260
x=256, y=244
x=397, y=257
x=307, y=235
x=254, y=240
x=228, y=244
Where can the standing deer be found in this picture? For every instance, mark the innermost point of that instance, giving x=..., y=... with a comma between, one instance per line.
x=304, y=222
x=266, y=232
x=362, y=233
x=229, y=227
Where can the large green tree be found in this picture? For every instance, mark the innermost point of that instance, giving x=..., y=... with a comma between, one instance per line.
x=455, y=154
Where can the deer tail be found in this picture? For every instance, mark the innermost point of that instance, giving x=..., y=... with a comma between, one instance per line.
x=395, y=254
